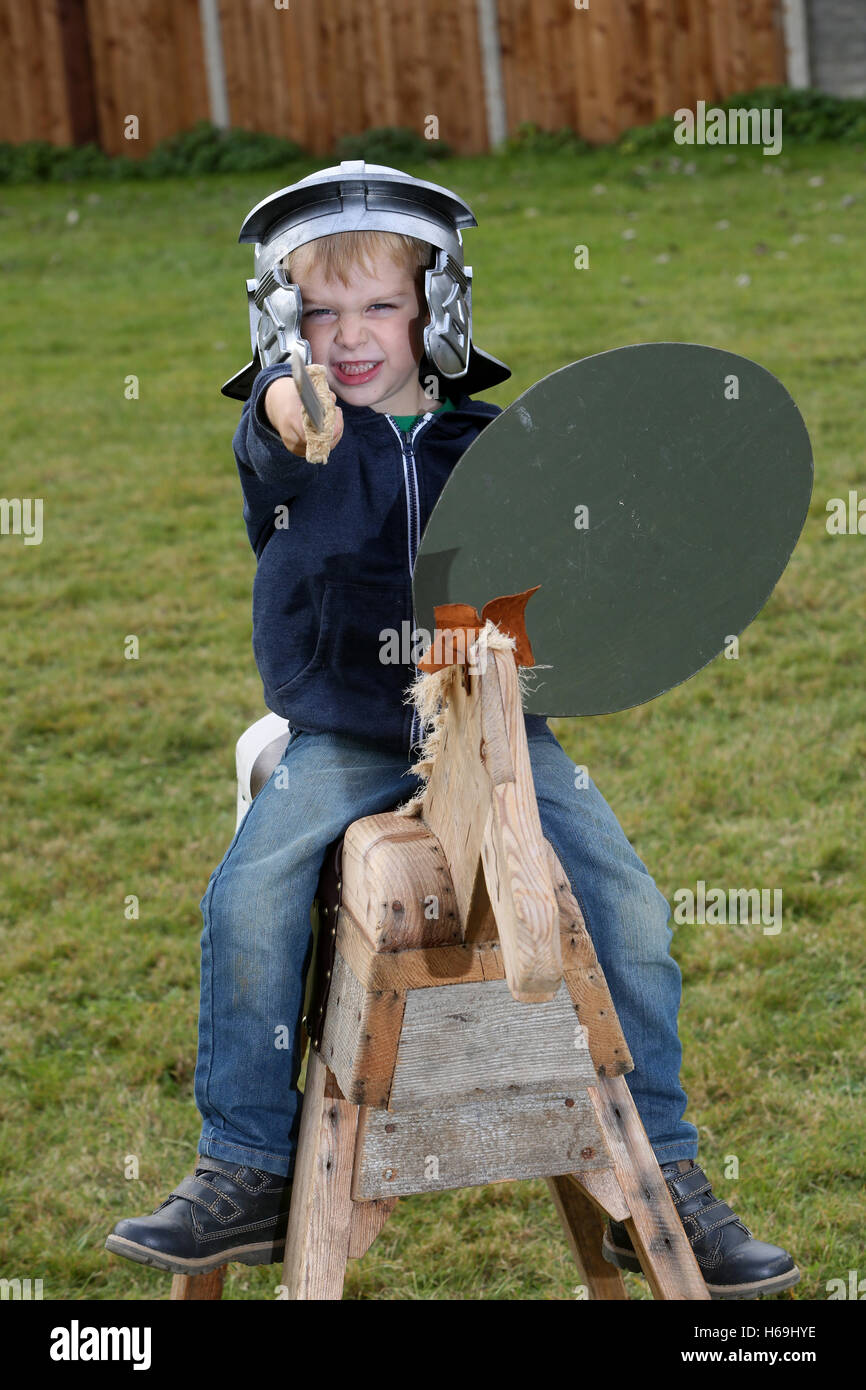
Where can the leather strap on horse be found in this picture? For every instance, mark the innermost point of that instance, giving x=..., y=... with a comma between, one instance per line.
x=327, y=905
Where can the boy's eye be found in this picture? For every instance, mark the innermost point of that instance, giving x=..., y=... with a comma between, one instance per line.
x=312, y=313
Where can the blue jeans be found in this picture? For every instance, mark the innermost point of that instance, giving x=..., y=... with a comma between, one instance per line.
x=257, y=939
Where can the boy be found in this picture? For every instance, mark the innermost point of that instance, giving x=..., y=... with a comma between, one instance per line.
x=364, y=264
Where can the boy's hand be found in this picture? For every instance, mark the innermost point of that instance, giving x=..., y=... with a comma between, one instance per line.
x=285, y=412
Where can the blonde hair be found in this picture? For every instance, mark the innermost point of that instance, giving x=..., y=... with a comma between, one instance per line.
x=336, y=255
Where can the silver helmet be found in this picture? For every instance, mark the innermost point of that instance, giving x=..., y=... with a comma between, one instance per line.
x=355, y=196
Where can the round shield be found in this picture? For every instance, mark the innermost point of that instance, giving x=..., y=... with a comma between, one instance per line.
x=655, y=493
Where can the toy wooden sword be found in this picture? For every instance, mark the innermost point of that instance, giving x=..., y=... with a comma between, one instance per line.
x=319, y=410
x=306, y=390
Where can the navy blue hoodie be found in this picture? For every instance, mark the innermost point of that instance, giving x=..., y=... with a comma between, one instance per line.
x=335, y=574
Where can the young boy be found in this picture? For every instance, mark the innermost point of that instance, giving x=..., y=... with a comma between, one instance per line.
x=365, y=265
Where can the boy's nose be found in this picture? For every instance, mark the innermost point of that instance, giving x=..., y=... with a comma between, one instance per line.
x=351, y=332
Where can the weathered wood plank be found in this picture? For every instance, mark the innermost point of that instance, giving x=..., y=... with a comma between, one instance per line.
x=585, y=980
x=604, y=1191
x=413, y=969
x=321, y=1218
x=368, y=1218
x=459, y=790
x=392, y=866
x=513, y=850
x=434, y=1149
x=471, y=1040
x=656, y=1231
x=584, y=1226
x=198, y=1288
x=360, y=1037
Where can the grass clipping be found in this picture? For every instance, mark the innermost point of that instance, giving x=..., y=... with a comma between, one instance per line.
x=429, y=694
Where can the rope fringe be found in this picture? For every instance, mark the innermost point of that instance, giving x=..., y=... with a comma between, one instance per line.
x=429, y=694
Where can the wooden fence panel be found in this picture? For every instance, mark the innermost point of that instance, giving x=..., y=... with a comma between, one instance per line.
x=741, y=20
x=147, y=62
x=345, y=68
x=698, y=25
x=590, y=120
x=635, y=100
x=766, y=44
x=35, y=102
x=321, y=69
x=631, y=61
x=466, y=88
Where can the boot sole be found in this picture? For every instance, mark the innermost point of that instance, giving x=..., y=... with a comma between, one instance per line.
x=626, y=1259
x=270, y=1252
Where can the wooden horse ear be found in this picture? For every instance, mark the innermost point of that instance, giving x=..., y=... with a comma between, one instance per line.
x=456, y=615
x=457, y=626
x=509, y=614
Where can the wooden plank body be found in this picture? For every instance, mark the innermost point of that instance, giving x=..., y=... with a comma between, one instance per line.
x=513, y=853
x=380, y=964
x=436, y=1148
x=475, y=1041
x=360, y=1036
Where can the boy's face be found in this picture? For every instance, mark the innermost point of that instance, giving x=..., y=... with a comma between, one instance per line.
x=368, y=334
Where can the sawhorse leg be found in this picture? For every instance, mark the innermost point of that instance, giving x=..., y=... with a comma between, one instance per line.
x=638, y=1197
x=197, y=1287
x=326, y=1227
x=583, y=1222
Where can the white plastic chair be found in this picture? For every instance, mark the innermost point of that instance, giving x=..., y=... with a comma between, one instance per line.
x=257, y=753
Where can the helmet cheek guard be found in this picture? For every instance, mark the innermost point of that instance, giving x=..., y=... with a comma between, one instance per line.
x=449, y=298
x=356, y=196
x=275, y=318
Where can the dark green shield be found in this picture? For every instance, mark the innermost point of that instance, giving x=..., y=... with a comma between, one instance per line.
x=655, y=492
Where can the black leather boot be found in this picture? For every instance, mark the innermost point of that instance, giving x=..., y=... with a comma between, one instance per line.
x=733, y=1263
x=225, y=1211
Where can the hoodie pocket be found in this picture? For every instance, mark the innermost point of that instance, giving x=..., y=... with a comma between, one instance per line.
x=355, y=679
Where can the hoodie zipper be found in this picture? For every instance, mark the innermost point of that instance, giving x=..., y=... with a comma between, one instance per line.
x=413, y=514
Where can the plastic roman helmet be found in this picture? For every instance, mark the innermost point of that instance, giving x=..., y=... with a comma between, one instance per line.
x=356, y=196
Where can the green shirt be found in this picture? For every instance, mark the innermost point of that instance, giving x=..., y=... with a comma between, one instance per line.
x=405, y=422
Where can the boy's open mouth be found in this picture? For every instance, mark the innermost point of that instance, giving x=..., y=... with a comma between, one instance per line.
x=354, y=373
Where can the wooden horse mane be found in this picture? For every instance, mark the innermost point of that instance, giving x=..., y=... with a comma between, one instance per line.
x=478, y=799
x=429, y=694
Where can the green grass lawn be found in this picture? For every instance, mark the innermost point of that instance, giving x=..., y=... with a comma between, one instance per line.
x=119, y=775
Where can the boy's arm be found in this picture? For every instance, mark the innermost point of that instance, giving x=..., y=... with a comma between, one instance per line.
x=258, y=446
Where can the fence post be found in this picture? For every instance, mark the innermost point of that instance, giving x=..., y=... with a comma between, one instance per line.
x=796, y=42
x=491, y=67
x=213, y=61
